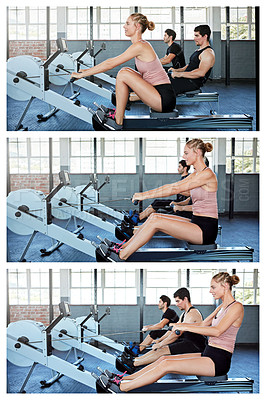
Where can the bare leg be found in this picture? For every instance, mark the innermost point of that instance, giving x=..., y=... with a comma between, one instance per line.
x=171, y=225
x=128, y=78
x=146, y=342
x=151, y=356
x=156, y=363
x=146, y=213
x=171, y=364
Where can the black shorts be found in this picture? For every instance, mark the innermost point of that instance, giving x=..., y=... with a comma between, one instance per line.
x=220, y=357
x=157, y=333
x=167, y=95
x=209, y=227
x=183, y=346
x=182, y=85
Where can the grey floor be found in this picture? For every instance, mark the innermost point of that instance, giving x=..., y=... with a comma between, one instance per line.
x=237, y=98
x=245, y=363
x=239, y=231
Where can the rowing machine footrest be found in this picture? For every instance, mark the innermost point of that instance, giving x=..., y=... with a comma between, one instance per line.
x=191, y=93
x=212, y=380
x=155, y=114
x=201, y=247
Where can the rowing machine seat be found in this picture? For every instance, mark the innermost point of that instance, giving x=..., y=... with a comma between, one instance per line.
x=201, y=247
x=211, y=380
x=191, y=93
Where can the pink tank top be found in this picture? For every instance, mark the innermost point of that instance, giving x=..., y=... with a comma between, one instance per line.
x=204, y=202
x=152, y=71
x=228, y=338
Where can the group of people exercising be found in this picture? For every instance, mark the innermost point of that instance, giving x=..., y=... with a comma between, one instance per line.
x=150, y=82
x=183, y=349
x=200, y=227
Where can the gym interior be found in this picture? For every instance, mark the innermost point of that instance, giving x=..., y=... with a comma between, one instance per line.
x=48, y=101
x=103, y=175
x=117, y=304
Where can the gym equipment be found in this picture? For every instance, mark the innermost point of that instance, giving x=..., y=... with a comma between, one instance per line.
x=191, y=252
x=199, y=96
x=173, y=121
x=29, y=343
x=34, y=83
x=19, y=81
x=90, y=327
x=86, y=60
x=36, y=216
x=201, y=384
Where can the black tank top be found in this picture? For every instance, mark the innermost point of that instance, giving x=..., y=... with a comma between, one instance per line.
x=194, y=62
x=199, y=340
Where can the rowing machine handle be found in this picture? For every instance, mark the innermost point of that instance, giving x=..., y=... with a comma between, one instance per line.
x=74, y=79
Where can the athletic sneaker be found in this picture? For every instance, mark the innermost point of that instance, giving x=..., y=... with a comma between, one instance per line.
x=111, y=254
x=133, y=351
x=109, y=243
x=108, y=121
x=113, y=376
x=107, y=385
x=132, y=217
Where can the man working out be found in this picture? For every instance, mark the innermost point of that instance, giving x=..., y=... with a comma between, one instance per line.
x=174, y=53
x=165, y=204
x=174, y=342
x=156, y=331
x=197, y=71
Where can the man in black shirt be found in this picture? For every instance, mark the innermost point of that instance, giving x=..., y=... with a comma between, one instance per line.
x=174, y=53
x=197, y=71
x=156, y=330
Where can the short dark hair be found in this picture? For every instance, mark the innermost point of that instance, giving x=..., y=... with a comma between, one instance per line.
x=184, y=164
x=182, y=293
x=203, y=30
x=171, y=32
x=166, y=299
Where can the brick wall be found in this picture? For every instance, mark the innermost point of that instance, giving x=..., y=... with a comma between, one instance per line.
x=32, y=181
x=29, y=312
x=35, y=48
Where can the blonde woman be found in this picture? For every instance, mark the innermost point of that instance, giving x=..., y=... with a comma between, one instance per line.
x=150, y=84
x=202, y=228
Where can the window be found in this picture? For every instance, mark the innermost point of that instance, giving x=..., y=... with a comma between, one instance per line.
x=122, y=286
x=162, y=156
x=242, y=23
x=32, y=286
x=247, y=290
x=31, y=156
x=113, y=156
x=81, y=156
x=29, y=23
x=246, y=155
x=113, y=287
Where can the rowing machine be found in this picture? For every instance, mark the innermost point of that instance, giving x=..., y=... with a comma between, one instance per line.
x=29, y=343
x=24, y=219
x=174, y=121
x=201, y=384
x=200, y=253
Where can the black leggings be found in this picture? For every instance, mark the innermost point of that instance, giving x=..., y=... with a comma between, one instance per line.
x=167, y=95
x=220, y=357
x=209, y=227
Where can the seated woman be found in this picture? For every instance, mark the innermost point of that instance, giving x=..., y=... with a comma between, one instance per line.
x=202, y=228
x=221, y=326
x=151, y=83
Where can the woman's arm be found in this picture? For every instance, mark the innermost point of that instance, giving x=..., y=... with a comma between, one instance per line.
x=191, y=182
x=133, y=51
x=229, y=319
